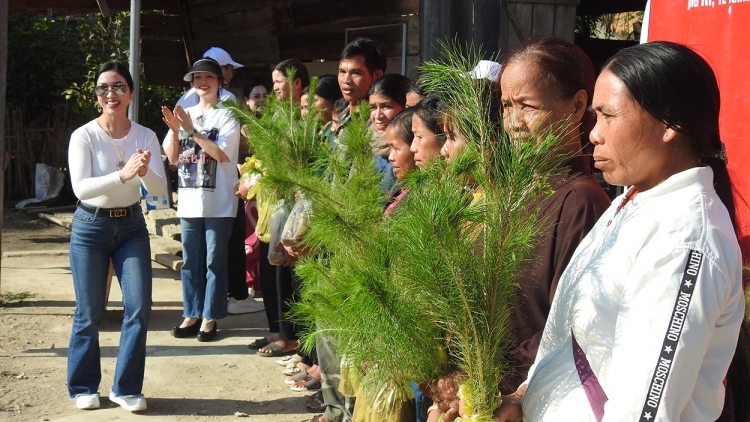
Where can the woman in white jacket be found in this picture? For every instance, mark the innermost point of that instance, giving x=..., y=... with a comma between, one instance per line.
x=645, y=321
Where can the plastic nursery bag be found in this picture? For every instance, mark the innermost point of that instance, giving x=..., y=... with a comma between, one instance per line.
x=279, y=214
x=296, y=224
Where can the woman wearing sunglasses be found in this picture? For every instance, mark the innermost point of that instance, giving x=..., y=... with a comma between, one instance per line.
x=109, y=158
x=203, y=141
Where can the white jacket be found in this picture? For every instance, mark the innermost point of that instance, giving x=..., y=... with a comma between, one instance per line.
x=660, y=347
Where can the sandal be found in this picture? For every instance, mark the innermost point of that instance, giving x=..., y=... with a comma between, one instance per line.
x=292, y=370
x=286, y=360
x=275, y=350
x=315, y=402
x=259, y=343
x=301, y=377
x=315, y=418
x=306, y=384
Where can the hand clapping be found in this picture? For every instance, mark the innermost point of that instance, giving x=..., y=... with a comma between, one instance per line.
x=177, y=118
x=137, y=165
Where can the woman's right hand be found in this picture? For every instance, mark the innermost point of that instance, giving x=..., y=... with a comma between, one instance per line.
x=136, y=164
x=510, y=409
x=170, y=119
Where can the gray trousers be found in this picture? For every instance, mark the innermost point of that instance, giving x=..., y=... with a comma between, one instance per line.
x=338, y=408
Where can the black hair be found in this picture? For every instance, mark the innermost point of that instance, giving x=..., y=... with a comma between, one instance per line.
x=251, y=84
x=428, y=109
x=365, y=47
x=393, y=86
x=301, y=70
x=340, y=106
x=677, y=86
x=416, y=87
x=329, y=89
x=401, y=123
x=118, y=68
x=564, y=68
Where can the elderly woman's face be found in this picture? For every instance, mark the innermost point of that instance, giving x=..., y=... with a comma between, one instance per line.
x=530, y=108
x=630, y=145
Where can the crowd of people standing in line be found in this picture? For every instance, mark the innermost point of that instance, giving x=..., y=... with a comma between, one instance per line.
x=626, y=312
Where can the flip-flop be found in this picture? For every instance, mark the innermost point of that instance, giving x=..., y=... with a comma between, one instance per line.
x=276, y=350
x=289, y=359
x=315, y=418
x=306, y=384
x=259, y=343
x=296, y=378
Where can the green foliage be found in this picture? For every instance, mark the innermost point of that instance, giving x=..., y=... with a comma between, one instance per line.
x=408, y=297
x=53, y=60
x=99, y=41
x=470, y=225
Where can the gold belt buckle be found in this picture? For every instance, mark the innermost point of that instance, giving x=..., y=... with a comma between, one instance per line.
x=120, y=212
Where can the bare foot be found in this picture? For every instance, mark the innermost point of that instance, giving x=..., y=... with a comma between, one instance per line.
x=188, y=322
x=286, y=346
x=207, y=325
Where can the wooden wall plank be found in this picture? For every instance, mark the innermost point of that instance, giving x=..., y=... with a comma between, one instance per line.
x=522, y=12
x=319, y=12
x=565, y=22
x=437, y=23
x=325, y=42
x=247, y=23
x=69, y=7
x=243, y=49
x=282, y=15
x=543, y=19
x=207, y=9
x=161, y=26
x=600, y=7
x=504, y=28
x=487, y=26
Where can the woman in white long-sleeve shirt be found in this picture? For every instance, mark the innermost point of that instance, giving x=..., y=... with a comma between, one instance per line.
x=109, y=159
x=645, y=321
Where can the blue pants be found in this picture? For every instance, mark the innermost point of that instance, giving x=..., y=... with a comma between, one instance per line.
x=94, y=240
x=205, y=247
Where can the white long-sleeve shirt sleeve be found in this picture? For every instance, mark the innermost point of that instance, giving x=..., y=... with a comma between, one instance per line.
x=665, y=329
x=93, y=159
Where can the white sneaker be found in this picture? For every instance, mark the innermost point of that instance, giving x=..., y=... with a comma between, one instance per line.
x=246, y=306
x=130, y=403
x=87, y=401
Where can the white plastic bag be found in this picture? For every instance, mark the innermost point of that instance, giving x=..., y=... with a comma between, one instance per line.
x=48, y=183
x=296, y=223
x=279, y=214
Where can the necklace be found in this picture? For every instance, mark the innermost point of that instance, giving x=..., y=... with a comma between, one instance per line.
x=120, y=155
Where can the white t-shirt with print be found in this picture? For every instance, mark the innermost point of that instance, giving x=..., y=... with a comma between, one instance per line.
x=206, y=186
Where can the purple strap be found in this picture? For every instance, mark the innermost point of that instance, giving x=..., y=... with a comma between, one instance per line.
x=591, y=386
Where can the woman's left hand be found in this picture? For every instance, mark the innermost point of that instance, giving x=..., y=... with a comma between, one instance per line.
x=145, y=159
x=137, y=165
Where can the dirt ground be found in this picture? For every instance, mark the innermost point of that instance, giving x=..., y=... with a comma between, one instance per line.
x=185, y=380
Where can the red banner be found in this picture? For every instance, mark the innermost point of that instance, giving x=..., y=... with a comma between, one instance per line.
x=720, y=31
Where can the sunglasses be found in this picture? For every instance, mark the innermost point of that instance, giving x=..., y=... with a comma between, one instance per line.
x=118, y=88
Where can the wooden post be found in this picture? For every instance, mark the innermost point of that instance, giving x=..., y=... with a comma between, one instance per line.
x=3, y=80
x=487, y=26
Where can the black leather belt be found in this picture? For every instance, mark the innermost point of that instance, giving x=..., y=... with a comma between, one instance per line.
x=110, y=212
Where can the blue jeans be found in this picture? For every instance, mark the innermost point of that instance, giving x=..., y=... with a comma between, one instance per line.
x=94, y=241
x=205, y=246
